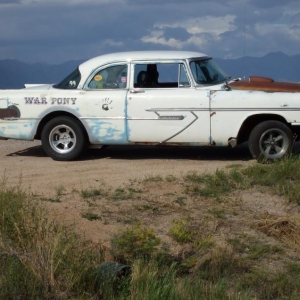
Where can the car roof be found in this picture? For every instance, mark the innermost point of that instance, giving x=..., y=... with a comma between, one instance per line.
x=87, y=67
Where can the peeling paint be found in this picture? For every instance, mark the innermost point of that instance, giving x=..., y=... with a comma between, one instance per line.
x=108, y=132
x=18, y=130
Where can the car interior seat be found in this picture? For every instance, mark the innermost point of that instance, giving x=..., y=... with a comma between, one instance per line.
x=142, y=79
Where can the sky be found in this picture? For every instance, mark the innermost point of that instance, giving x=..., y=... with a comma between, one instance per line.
x=56, y=31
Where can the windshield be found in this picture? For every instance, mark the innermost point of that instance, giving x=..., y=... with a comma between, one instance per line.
x=207, y=72
x=70, y=82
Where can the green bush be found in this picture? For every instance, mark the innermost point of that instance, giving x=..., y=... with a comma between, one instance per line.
x=135, y=241
x=40, y=259
x=180, y=231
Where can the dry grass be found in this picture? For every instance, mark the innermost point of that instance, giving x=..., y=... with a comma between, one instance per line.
x=194, y=237
x=285, y=229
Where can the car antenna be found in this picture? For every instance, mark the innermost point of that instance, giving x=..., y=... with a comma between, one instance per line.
x=244, y=54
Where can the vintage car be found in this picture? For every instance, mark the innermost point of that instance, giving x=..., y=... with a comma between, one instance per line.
x=153, y=98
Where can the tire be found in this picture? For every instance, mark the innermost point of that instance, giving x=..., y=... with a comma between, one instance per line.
x=270, y=141
x=63, y=138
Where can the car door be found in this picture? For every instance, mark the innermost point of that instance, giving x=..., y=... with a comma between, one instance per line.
x=104, y=104
x=164, y=107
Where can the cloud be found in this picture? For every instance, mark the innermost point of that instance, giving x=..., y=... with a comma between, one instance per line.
x=56, y=30
x=68, y=2
x=180, y=3
x=113, y=43
x=195, y=31
x=9, y=1
x=273, y=3
x=282, y=31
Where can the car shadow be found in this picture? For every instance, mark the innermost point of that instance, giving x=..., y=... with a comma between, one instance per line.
x=35, y=151
x=151, y=152
x=238, y=153
x=167, y=152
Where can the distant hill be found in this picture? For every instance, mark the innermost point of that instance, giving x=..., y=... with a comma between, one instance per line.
x=279, y=66
x=14, y=74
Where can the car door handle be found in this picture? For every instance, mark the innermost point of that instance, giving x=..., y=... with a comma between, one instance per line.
x=136, y=91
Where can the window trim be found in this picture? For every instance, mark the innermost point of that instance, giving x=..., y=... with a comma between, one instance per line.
x=103, y=67
x=68, y=79
x=180, y=62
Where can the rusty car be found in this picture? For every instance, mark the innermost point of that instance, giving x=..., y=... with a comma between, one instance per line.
x=164, y=98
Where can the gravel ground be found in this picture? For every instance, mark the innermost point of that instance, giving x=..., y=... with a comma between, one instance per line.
x=26, y=162
x=154, y=204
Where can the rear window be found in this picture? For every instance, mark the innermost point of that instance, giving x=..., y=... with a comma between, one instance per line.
x=70, y=82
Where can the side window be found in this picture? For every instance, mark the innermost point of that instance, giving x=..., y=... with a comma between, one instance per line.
x=160, y=75
x=206, y=72
x=114, y=77
x=200, y=72
x=183, y=78
x=70, y=82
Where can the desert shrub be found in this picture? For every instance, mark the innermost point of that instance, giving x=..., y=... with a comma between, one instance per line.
x=180, y=231
x=40, y=259
x=135, y=241
x=215, y=185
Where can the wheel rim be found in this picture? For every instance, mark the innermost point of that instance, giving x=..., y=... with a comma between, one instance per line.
x=274, y=143
x=62, y=139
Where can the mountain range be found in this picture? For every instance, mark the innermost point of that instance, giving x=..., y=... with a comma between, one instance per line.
x=277, y=65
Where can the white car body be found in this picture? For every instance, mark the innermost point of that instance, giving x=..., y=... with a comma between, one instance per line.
x=189, y=111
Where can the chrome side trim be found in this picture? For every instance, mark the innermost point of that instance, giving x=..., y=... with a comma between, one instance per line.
x=178, y=109
x=168, y=117
x=224, y=109
x=256, y=109
x=171, y=118
x=161, y=118
x=196, y=118
x=102, y=118
x=19, y=119
x=129, y=119
x=136, y=91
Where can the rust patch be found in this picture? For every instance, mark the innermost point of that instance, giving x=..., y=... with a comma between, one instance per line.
x=259, y=83
x=260, y=79
x=10, y=112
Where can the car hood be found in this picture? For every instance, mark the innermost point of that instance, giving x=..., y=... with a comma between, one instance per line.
x=259, y=83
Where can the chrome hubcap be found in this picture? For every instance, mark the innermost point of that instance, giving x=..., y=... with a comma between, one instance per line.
x=274, y=143
x=62, y=139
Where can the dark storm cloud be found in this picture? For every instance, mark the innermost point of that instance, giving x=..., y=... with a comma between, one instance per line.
x=56, y=31
x=9, y=1
x=272, y=3
x=180, y=2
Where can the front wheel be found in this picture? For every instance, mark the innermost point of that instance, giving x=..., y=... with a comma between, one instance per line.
x=270, y=141
x=63, y=138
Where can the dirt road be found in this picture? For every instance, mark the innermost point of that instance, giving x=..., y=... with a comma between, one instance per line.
x=119, y=186
x=112, y=170
x=26, y=162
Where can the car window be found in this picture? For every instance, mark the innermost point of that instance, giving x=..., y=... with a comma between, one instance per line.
x=183, y=78
x=160, y=75
x=207, y=72
x=114, y=77
x=70, y=82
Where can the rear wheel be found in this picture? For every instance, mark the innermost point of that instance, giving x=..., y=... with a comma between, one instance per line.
x=270, y=140
x=63, y=138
